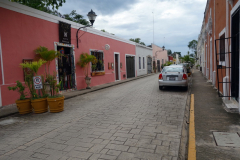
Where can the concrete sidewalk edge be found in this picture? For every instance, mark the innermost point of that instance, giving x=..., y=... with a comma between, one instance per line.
x=183, y=148
x=11, y=109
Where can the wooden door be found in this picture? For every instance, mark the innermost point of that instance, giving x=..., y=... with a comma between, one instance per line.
x=116, y=67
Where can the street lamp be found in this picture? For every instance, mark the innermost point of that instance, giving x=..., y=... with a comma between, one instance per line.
x=91, y=16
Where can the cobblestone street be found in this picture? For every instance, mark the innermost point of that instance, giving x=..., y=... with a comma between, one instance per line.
x=134, y=120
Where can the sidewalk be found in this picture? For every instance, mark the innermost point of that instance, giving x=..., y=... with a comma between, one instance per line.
x=211, y=119
x=12, y=109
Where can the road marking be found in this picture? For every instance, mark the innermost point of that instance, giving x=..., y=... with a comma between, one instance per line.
x=192, y=141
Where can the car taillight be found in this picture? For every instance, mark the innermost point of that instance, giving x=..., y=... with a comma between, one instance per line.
x=160, y=76
x=184, y=76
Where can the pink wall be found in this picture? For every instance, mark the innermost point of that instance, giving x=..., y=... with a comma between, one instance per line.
x=160, y=55
x=22, y=34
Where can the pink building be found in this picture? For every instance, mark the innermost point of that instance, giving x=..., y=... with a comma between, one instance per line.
x=159, y=56
x=23, y=29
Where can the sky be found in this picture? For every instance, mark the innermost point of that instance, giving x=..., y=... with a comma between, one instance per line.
x=169, y=23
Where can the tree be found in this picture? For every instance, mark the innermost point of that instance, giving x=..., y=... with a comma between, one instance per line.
x=191, y=55
x=137, y=40
x=75, y=17
x=192, y=45
x=40, y=4
x=43, y=5
x=169, y=51
x=187, y=59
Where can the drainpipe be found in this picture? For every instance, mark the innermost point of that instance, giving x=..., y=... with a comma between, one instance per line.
x=3, y=83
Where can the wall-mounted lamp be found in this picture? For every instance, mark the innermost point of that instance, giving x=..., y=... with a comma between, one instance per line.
x=163, y=48
x=91, y=16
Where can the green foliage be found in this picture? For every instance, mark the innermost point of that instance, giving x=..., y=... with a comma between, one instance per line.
x=33, y=70
x=191, y=55
x=40, y=4
x=169, y=52
x=75, y=17
x=137, y=40
x=103, y=30
x=46, y=55
x=168, y=63
x=192, y=45
x=187, y=59
x=34, y=66
x=20, y=88
x=85, y=60
x=44, y=5
x=54, y=87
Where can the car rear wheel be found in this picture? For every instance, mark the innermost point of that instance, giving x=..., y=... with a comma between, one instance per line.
x=186, y=88
x=160, y=87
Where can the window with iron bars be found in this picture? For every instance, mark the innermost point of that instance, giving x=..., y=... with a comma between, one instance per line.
x=99, y=66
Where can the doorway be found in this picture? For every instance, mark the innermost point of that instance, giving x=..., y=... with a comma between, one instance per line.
x=158, y=65
x=66, y=68
x=235, y=55
x=149, y=65
x=130, y=65
x=117, y=68
x=211, y=71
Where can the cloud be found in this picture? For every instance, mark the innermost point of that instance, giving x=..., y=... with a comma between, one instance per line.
x=179, y=21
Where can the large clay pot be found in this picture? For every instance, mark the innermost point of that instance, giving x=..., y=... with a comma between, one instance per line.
x=24, y=106
x=56, y=104
x=40, y=105
x=88, y=82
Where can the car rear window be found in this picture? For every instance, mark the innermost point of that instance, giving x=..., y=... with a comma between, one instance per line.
x=173, y=69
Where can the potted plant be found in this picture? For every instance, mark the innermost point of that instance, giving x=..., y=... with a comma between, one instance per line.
x=55, y=100
x=38, y=101
x=197, y=66
x=48, y=56
x=84, y=62
x=23, y=103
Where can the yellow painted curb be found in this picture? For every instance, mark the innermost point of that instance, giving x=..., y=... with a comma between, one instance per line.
x=192, y=141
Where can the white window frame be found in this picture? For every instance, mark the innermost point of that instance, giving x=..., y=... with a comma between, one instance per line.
x=223, y=63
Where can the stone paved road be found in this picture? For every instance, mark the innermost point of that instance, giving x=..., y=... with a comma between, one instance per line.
x=129, y=121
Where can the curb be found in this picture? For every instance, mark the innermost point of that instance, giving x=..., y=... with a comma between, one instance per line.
x=93, y=90
x=192, y=138
x=110, y=85
x=183, y=149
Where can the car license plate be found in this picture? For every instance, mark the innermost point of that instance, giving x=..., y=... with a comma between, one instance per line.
x=171, y=78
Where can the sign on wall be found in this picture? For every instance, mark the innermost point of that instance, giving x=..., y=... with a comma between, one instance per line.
x=64, y=32
x=37, y=81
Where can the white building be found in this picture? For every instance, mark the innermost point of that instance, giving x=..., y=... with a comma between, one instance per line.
x=143, y=59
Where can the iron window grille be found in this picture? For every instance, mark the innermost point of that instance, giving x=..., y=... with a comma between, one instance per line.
x=221, y=57
x=100, y=64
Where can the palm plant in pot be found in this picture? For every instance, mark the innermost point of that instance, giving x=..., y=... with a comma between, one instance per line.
x=23, y=103
x=55, y=100
x=48, y=56
x=84, y=62
x=38, y=100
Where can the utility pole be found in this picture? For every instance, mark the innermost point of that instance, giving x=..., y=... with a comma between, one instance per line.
x=153, y=27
